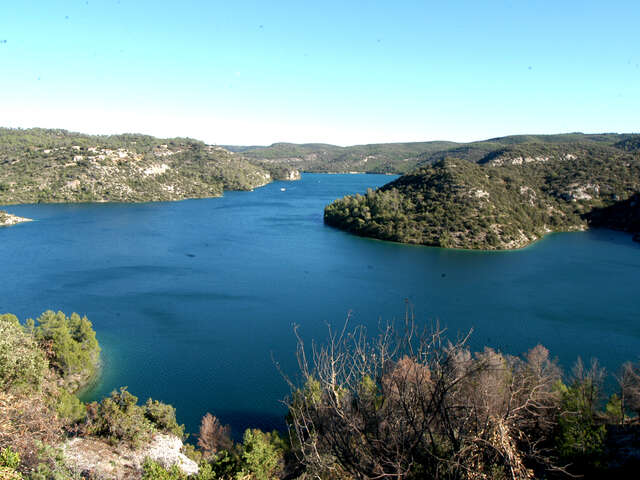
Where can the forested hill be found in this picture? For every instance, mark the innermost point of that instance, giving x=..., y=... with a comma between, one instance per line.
x=38, y=165
x=512, y=197
x=321, y=158
x=404, y=157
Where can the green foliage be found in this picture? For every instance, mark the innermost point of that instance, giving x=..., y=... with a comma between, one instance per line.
x=69, y=407
x=517, y=196
x=163, y=417
x=262, y=453
x=22, y=363
x=226, y=464
x=59, y=166
x=152, y=470
x=72, y=343
x=51, y=465
x=119, y=418
x=205, y=472
x=9, y=458
x=580, y=438
x=375, y=158
x=193, y=453
x=614, y=411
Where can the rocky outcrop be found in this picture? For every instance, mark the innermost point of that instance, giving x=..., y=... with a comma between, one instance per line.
x=99, y=459
x=292, y=174
x=6, y=219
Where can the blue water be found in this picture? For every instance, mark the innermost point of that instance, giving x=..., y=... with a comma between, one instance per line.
x=193, y=300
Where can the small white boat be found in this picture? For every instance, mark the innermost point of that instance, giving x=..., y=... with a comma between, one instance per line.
x=283, y=189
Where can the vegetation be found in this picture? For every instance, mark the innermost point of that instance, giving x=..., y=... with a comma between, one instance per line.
x=376, y=158
x=412, y=404
x=509, y=201
x=402, y=158
x=120, y=418
x=70, y=345
x=22, y=363
x=38, y=165
x=405, y=404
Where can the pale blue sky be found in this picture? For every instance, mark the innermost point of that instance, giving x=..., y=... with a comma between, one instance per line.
x=242, y=72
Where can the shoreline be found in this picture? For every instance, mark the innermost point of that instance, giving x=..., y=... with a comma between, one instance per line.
x=7, y=219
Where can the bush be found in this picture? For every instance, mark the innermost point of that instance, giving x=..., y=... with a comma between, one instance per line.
x=119, y=418
x=22, y=363
x=413, y=405
x=70, y=343
x=262, y=453
x=152, y=470
x=9, y=458
x=163, y=417
x=69, y=407
x=52, y=466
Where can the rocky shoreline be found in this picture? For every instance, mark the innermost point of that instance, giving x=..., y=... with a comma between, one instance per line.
x=7, y=219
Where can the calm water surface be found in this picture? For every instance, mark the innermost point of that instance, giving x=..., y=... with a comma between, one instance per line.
x=191, y=300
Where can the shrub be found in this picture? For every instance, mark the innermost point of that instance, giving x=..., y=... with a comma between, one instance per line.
x=9, y=458
x=226, y=464
x=413, y=405
x=119, y=418
x=262, y=453
x=152, y=470
x=71, y=343
x=69, y=407
x=22, y=363
x=51, y=465
x=163, y=417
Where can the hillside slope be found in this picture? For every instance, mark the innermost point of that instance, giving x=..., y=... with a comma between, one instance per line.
x=510, y=200
x=320, y=158
x=39, y=165
x=404, y=157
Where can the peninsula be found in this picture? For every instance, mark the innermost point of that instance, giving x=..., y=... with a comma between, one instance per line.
x=7, y=219
x=38, y=165
x=503, y=193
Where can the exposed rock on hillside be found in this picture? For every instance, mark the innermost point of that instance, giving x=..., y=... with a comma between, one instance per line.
x=57, y=166
x=6, y=219
x=405, y=157
x=496, y=205
x=102, y=460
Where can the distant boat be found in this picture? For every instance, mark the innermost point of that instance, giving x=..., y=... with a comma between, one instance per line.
x=283, y=189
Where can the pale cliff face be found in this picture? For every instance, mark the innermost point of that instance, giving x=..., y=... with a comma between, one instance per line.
x=115, y=462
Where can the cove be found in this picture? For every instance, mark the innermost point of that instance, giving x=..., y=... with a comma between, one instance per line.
x=193, y=301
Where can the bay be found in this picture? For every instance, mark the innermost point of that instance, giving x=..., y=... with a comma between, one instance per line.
x=193, y=301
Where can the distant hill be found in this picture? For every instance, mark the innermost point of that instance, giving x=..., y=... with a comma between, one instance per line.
x=317, y=157
x=402, y=158
x=38, y=165
x=511, y=193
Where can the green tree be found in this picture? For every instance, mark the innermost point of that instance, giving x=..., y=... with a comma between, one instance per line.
x=261, y=453
x=22, y=363
x=70, y=343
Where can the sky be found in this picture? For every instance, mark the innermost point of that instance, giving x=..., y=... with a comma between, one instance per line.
x=341, y=72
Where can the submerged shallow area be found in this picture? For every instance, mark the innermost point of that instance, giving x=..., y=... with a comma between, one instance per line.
x=193, y=301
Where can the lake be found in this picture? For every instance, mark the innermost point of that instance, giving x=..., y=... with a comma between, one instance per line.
x=192, y=301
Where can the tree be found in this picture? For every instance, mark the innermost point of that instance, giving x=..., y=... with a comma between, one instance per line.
x=70, y=343
x=410, y=404
x=22, y=363
x=213, y=436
